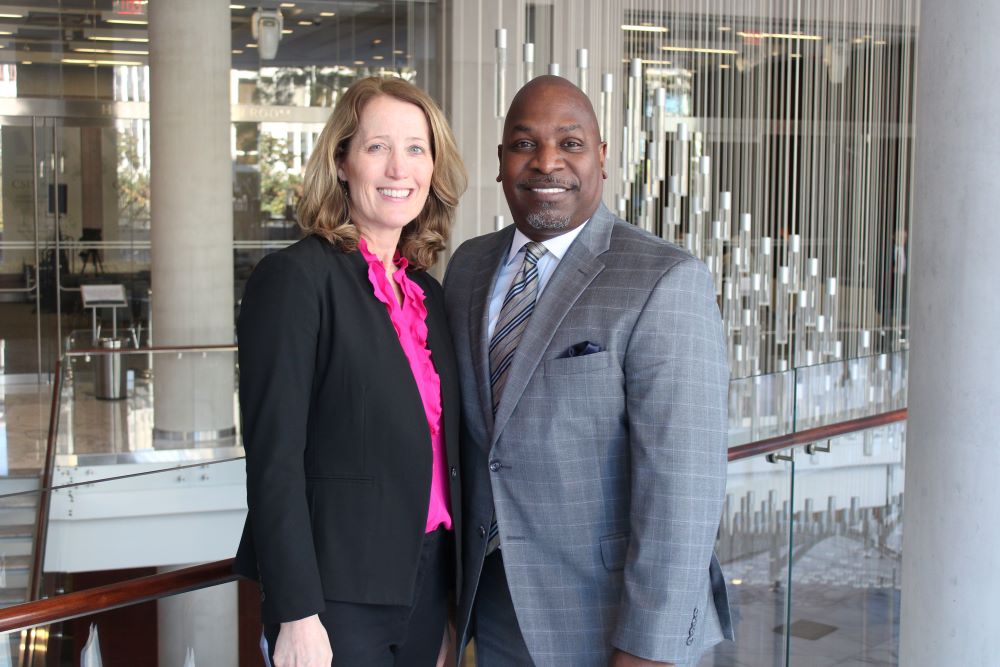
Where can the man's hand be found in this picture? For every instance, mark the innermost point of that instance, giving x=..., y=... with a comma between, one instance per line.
x=303, y=643
x=623, y=659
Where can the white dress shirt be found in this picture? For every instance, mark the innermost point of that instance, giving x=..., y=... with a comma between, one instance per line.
x=556, y=248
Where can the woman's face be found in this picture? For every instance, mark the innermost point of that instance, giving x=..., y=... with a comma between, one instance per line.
x=388, y=165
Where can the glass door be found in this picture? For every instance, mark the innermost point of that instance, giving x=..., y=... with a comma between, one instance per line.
x=26, y=311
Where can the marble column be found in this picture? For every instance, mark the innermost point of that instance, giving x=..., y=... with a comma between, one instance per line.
x=192, y=218
x=951, y=544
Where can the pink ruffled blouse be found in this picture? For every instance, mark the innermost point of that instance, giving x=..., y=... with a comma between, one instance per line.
x=410, y=323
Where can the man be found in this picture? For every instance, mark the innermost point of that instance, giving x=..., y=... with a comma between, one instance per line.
x=594, y=383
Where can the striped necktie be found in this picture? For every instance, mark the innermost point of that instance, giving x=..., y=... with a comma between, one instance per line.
x=513, y=318
x=511, y=323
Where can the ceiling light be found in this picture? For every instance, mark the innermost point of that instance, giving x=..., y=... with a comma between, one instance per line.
x=777, y=35
x=376, y=41
x=724, y=28
x=286, y=31
x=8, y=32
x=723, y=65
x=398, y=52
x=12, y=16
x=251, y=46
x=378, y=57
x=328, y=13
x=305, y=22
x=359, y=62
x=78, y=61
x=645, y=28
x=648, y=62
x=692, y=49
x=287, y=5
x=237, y=52
x=120, y=52
x=26, y=62
x=98, y=38
x=128, y=21
x=237, y=6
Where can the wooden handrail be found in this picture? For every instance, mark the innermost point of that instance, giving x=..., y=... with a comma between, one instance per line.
x=779, y=442
x=112, y=596
x=143, y=589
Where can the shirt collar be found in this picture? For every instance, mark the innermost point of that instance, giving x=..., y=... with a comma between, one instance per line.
x=557, y=245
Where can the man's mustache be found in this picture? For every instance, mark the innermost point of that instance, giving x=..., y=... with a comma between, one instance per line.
x=546, y=182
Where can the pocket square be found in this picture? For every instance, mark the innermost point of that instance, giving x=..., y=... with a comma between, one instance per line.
x=581, y=349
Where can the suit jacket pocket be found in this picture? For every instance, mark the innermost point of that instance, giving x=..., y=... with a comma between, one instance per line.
x=585, y=364
x=613, y=551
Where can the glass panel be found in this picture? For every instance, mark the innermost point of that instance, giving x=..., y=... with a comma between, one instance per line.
x=24, y=312
x=753, y=550
x=848, y=389
x=846, y=564
x=760, y=407
x=218, y=625
x=120, y=407
x=121, y=516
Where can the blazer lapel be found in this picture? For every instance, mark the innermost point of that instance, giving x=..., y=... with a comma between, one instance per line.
x=479, y=316
x=576, y=270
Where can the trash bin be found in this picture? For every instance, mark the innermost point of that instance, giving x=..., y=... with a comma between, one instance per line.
x=110, y=383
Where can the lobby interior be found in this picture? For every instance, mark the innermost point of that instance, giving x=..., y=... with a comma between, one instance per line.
x=151, y=153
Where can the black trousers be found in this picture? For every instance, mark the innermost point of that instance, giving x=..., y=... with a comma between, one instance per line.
x=499, y=642
x=373, y=635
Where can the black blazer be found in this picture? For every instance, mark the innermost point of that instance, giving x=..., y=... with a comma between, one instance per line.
x=338, y=450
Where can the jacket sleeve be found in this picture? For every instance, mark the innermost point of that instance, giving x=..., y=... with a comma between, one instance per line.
x=677, y=379
x=278, y=329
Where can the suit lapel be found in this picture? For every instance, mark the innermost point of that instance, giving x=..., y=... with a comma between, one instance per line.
x=577, y=269
x=479, y=316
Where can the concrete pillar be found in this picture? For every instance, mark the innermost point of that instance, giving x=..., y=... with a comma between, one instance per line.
x=205, y=620
x=951, y=545
x=192, y=218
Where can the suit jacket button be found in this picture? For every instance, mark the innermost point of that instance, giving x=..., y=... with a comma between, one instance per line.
x=482, y=530
x=454, y=472
x=495, y=466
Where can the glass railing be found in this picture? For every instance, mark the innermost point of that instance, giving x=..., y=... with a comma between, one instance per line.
x=122, y=407
x=765, y=406
x=811, y=548
x=129, y=496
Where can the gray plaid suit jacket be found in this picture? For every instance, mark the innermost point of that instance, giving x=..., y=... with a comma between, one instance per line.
x=607, y=470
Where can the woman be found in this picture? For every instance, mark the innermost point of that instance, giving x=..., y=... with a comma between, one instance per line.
x=350, y=396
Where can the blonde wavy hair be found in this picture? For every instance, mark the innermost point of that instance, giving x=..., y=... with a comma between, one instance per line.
x=325, y=206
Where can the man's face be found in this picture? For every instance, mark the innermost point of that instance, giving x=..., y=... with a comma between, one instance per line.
x=551, y=161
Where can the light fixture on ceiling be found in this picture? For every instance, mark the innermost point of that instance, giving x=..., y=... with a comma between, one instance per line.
x=266, y=26
x=327, y=14
x=12, y=16
x=645, y=28
x=118, y=52
x=694, y=49
x=779, y=35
